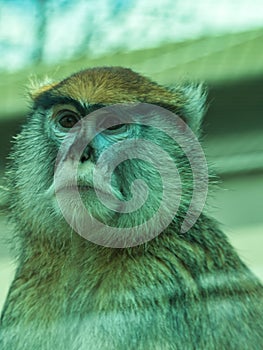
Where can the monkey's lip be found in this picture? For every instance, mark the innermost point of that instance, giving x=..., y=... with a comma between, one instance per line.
x=69, y=188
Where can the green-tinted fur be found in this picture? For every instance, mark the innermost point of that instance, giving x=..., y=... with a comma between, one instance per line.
x=179, y=291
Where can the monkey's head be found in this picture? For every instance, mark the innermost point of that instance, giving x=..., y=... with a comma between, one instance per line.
x=106, y=150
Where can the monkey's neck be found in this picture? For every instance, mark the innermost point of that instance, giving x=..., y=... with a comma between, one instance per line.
x=171, y=254
x=88, y=277
x=81, y=277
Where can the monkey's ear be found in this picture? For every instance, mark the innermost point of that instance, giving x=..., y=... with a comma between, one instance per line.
x=36, y=87
x=194, y=106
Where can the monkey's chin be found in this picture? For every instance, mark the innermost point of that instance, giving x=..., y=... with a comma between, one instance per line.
x=96, y=208
x=82, y=206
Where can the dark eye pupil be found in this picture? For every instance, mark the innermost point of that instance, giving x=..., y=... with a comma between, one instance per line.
x=68, y=121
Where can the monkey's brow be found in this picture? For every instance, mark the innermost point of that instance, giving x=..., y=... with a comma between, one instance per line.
x=49, y=100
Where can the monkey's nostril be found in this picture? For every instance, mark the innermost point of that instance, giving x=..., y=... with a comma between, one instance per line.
x=86, y=155
x=83, y=158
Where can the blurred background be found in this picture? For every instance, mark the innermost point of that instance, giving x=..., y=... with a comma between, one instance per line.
x=219, y=42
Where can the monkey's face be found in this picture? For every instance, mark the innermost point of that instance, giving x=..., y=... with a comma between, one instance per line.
x=117, y=164
x=111, y=163
x=88, y=159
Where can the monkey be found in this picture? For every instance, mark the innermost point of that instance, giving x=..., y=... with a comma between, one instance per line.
x=174, y=291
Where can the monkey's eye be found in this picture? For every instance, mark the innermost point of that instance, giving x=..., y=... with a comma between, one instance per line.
x=108, y=125
x=67, y=119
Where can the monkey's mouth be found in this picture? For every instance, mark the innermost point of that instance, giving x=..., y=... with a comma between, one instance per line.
x=85, y=189
x=78, y=188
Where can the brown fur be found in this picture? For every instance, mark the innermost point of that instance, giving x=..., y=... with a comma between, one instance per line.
x=110, y=86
